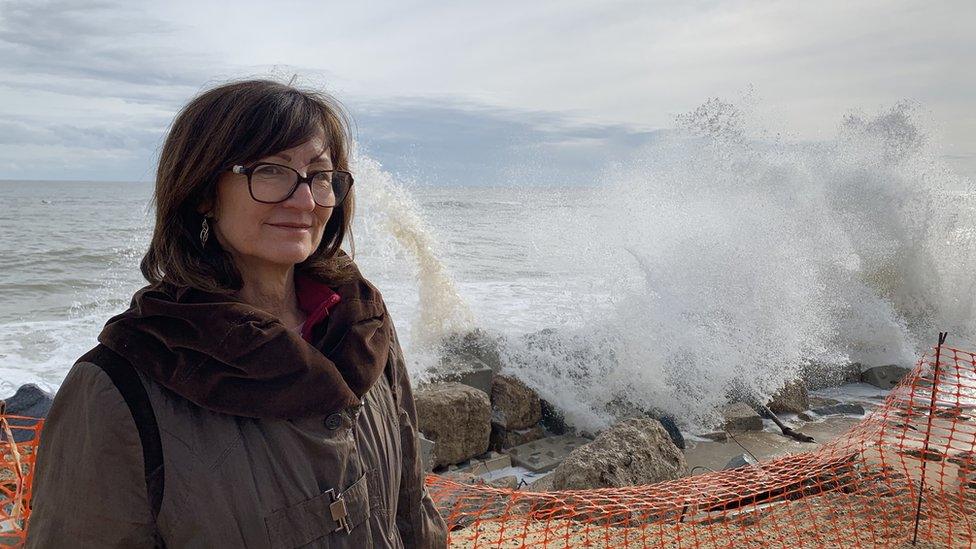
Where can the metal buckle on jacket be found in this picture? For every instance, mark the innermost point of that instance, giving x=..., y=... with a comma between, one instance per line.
x=339, y=513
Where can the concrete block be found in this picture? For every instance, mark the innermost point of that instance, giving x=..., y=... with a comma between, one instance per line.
x=426, y=452
x=545, y=454
x=471, y=372
x=884, y=377
x=739, y=416
x=484, y=466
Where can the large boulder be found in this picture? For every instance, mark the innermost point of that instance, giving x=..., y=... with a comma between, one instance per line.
x=30, y=401
x=513, y=405
x=791, y=399
x=636, y=451
x=820, y=376
x=457, y=418
x=553, y=419
x=476, y=344
x=621, y=408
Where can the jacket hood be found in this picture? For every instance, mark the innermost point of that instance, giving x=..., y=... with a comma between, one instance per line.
x=227, y=356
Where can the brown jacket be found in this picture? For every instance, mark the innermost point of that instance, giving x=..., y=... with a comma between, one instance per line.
x=232, y=480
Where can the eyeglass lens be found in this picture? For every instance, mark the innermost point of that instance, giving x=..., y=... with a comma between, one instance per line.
x=271, y=183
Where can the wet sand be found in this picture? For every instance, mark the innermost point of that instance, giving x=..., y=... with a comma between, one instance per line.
x=703, y=456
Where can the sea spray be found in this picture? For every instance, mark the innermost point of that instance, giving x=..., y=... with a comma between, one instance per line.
x=733, y=261
x=391, y=220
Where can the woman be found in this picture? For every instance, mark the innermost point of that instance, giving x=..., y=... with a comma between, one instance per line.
x=254, y=394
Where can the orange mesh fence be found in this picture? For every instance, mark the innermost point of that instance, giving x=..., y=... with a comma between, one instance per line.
x=912, y=457
x=910, y=462
x=16, y=475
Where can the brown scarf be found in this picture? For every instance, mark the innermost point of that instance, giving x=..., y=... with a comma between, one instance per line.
x=229, y=357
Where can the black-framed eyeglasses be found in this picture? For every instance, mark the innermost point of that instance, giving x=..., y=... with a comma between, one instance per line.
x=271, y=183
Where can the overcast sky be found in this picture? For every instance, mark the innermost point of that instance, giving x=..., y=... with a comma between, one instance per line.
x=469, y=92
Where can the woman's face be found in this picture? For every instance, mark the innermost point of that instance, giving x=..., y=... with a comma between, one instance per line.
x=259, y=235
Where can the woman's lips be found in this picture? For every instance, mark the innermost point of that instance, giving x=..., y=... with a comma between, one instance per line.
x=291, y=227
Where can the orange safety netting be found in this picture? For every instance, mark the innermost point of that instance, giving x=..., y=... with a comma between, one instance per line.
x=16, y=475
x=907, y=469
x=860, y=490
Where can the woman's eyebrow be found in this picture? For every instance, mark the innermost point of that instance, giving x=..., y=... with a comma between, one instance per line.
x=321, y=158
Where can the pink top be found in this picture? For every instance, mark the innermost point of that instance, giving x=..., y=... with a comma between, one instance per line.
x=315, y=299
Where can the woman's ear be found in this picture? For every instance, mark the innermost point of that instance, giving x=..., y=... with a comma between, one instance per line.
x=205, y=207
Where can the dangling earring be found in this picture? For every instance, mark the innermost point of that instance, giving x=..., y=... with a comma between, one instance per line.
x=204, y=232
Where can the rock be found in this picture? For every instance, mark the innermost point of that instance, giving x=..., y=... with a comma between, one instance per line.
x=552, y=419
x=817, y=402
x=513, y=404
x=671, y=427
x=839, y=409
x=741, y=460
x=884, y=377
x=637, y=451
x=588, y=434
x=457, y=418
x=716, y=436
x=541, y=484
x=791, y=399
x=30, y=401
x=739, y=416
x=546, y=453
x=821, y=376
x=476, y=344
x=621, y=409
x=502, y=439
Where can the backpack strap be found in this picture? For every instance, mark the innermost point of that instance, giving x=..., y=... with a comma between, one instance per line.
x=127, y=381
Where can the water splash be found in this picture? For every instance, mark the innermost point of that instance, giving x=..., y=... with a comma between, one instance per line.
x=395, y=228
x=733, y=261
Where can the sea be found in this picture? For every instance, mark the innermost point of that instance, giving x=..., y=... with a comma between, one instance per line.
x=717, y=257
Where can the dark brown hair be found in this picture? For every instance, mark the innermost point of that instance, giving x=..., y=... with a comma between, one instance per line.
x=238, y=123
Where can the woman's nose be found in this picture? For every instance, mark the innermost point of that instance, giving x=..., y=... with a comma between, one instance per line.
x=302, y=197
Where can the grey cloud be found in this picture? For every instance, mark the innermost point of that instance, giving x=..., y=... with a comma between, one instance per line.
x=98, y=137
x=438, y=142
x=105, y=43
x=464, y=143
